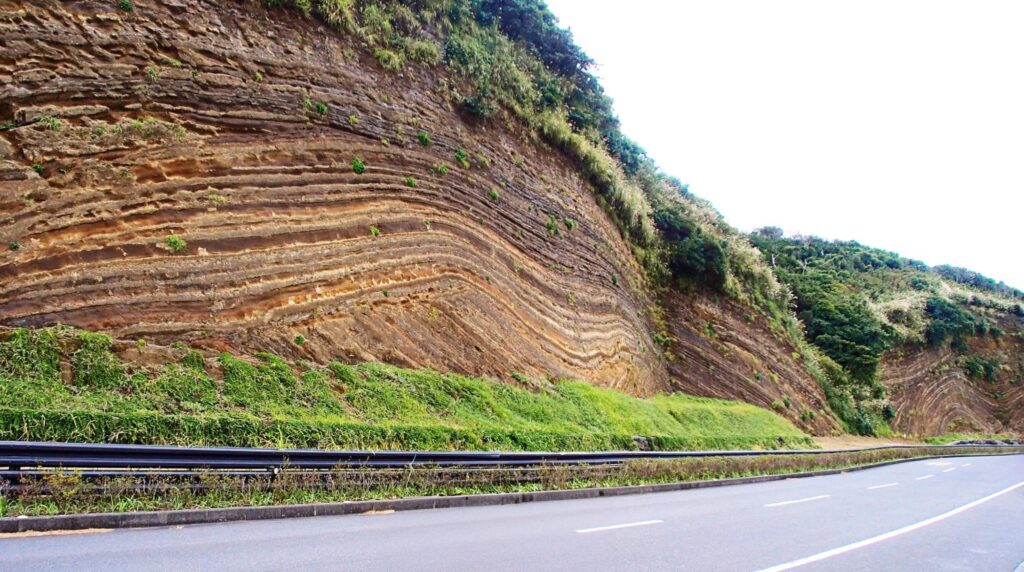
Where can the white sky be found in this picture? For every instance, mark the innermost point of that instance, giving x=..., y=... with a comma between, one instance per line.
x=896, y=123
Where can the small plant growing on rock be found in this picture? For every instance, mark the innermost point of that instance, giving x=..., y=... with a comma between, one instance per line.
x=388, y=60
x=216, y=199
x=426, y=223
x=14, y=245
x=441, y=169
x=385, y=292
x=258, y=76
x=410, y=182
x=494, y=195
x=552, y=225
x=125, y=5
x=300, y=341
x=175, y=243
x=358, y=166
x=51, y=122
x=353, y=120
x=462, y=158
x=153, y=73
x=424, y=52
x=38, y=168
x=570, y=224
x=424, y=138
x=307, y=104
x=321, y=108
x=374, y=231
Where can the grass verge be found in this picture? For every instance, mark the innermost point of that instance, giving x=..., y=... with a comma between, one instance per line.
x=61, y=384
x=69, y=492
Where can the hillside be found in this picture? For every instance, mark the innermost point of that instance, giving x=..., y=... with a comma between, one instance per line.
x=943, y=344
x=437, y=184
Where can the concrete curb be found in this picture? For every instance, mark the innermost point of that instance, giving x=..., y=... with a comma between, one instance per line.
x=215, y=515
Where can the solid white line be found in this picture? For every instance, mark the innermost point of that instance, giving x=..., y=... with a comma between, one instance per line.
x=892, y=533
x=924, y=477
x=614, y=526
x=783, y=503
x=949, y=469
x=886, y=485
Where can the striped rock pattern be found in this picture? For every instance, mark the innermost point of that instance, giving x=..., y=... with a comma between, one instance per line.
x=933, y=395
x=235, y=128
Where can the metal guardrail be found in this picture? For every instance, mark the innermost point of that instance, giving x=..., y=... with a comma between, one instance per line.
x=19, y=455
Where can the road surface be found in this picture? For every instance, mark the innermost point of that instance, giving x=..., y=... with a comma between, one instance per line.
x=943, y=514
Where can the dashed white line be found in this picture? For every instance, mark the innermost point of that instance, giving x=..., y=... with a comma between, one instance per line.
x=885, y=486
x=949, y=469
x=924, y=477
x=966, y=465
x=892, y=533
x=783, y=503
x=615, y=526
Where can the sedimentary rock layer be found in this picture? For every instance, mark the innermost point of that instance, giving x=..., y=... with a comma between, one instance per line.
x=933, y=394
x=235, y=129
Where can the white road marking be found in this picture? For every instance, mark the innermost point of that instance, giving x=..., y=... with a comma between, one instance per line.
x=784, y=503
x=886, y=485
x=966, y=465
x=949, y=469
x=891, y=534
x=614, y=526
x=924, y=477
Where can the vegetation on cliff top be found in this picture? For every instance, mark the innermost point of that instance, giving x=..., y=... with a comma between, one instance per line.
x=857, y=302
x=270, y=402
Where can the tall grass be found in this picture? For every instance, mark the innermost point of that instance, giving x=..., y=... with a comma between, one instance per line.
x=268, y=401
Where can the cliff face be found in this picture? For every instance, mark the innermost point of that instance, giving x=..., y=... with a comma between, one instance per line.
x=187, y=171
x=237, y=132
x=727, y=351
x=934, y=391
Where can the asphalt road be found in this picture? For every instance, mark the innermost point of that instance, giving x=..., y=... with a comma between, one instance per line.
x=947, y=514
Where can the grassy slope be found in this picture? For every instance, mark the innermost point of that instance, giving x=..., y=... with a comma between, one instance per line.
x=273, y=403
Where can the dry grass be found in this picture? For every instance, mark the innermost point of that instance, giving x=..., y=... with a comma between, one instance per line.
x=63, y=492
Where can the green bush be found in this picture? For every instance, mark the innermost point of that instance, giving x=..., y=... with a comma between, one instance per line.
x=424, y=52
x=389, y=60
x=424, y=138
x=948, y=320
x=175, y=243
x=462, y=158
x=358, y=166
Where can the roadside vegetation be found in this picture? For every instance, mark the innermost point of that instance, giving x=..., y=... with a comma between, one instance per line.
x=64, y=492
x=61, y=384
